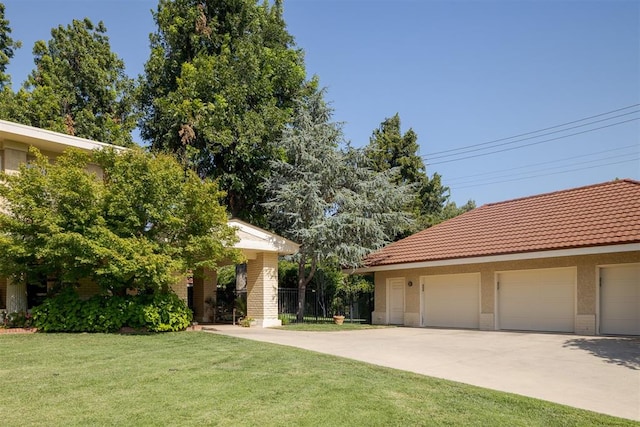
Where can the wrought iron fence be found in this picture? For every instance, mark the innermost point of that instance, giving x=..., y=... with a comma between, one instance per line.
x=231, y=304
x=318, y=307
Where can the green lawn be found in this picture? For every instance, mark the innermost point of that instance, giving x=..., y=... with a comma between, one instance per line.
x=329, y=327
x=197, y=378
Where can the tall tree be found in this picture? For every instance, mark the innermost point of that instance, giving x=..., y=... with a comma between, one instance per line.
x=79, y=86
x=218, y=88
x=329, y=199
x=7, y=48
x=390, y=149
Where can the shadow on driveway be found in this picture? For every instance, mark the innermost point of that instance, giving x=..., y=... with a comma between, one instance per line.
x=619, y=351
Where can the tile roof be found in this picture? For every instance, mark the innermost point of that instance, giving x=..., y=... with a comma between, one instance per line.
x=595, y=215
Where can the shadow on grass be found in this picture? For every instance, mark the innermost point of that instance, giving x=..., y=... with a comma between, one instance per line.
x=619, y=351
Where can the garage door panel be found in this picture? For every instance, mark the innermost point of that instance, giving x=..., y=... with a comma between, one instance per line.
x=537, y=300
x=452, y=300
x=620, y=300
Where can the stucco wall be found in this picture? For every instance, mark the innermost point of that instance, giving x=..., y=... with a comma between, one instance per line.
x=586, y=284
x=13, y=157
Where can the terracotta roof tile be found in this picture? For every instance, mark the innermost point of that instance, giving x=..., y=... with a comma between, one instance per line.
x=596, y=215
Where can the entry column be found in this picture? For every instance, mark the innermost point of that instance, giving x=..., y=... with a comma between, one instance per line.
x=262, y=289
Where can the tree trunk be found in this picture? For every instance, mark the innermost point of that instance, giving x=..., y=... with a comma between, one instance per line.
x=303, y=282
x=302, y=288
x=241, y=277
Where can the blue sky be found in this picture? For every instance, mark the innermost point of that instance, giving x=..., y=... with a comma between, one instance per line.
x=460, y=73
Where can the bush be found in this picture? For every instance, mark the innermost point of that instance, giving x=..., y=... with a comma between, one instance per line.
x=66, y=312
x=165, y=313
x=20, y=319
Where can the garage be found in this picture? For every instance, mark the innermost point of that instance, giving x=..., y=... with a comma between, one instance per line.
x=620, y=300
x=537, y=300
x=451, y=300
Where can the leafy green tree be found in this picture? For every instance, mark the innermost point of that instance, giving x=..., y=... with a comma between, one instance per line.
x=134, y=227
x=218, y=88
x=390, y=149
x=328, y=199
x=79, y=86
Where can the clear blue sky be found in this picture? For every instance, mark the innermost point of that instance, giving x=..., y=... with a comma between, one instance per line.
x=459, y=73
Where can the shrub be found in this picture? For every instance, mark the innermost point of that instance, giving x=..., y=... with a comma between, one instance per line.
x=20, y=319
x=165, y=313
x=284, y=319
x=66, y=312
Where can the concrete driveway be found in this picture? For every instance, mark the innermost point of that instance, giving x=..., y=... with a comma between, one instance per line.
x=601, y=374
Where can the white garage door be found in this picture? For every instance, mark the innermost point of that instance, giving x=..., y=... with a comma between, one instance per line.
x=452, y=300
x=537, y=300
x=620, y=300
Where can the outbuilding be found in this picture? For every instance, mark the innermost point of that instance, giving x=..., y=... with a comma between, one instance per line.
x=567, y=261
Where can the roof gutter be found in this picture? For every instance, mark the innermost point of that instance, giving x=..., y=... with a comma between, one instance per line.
x=593, y=250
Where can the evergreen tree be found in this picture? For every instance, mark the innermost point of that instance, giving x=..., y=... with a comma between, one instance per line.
x=79, y=86
x=328, y=199
x=218, y=88
x=390, y=149
x=7, y=48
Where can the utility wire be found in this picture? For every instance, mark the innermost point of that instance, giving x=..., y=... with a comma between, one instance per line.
x=471, y=150
x=532, y=132
x=479, y=181
x=465, y=177
x=547, y=174
x=532, y=143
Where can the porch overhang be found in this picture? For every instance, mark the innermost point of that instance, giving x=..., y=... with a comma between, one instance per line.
x=254, y=240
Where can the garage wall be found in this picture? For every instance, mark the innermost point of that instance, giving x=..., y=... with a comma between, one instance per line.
x=586, y=280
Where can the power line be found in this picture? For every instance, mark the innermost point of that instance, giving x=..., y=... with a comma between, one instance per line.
x=467, y=177
x=598, y=161
x=532, y=143
x=532, y=132
x=534, y=137
x=635, y=159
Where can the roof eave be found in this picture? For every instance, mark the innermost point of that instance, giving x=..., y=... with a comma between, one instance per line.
x=47, y=140
x=590, y=250
x=259, y=240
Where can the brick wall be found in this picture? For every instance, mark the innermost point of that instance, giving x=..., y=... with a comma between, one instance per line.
x=262, y=289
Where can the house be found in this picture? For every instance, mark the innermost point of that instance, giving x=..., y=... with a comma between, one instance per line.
x=567, y=261
x=259, y=247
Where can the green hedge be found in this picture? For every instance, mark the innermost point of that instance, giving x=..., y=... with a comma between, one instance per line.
x=66, y=312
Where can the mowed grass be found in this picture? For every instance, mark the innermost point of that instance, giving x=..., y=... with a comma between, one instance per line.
x=330, y=327
x=197, y=378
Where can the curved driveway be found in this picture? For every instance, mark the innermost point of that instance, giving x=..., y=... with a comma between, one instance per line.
x=601, y=374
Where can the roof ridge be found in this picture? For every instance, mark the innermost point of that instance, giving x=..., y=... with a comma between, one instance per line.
x=534, y=196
